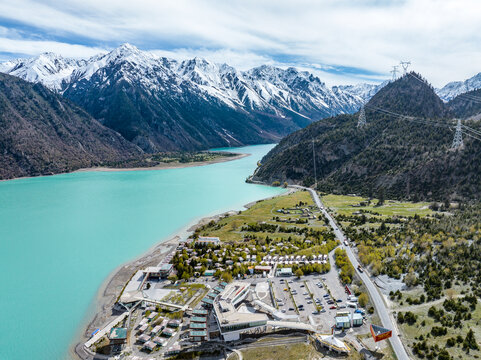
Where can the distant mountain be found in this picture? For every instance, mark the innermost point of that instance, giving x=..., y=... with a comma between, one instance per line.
x=363, y=91
x=163, y=104
x=467, y=104
x=455, y=88
x=400, y=157
x=43, y=133
x=49, y=69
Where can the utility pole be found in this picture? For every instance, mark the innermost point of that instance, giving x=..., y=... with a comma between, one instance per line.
x=362, y=118
x=405, y=65
x=314, y=160
x=458, y=136
x=394, y=72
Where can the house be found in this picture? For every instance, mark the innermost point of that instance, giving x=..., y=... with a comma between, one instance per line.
x=209, y=273
x=205, y=240
x=168, y=332
x=198, y=335
x=200, y=312
x=357, y=319
x=343, y=322
x=260, y=268
x=150, y=345
x=166, y=270
x=118, y=336
x=156, y=330
x=284, y=272
x=174, y=323
x=143, y=338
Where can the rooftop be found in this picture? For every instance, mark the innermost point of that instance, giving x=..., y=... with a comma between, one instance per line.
x=198, y=333
x=199, y=312
x=118, y=333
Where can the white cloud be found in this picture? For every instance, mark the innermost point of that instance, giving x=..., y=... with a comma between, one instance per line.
x=31, y=47
x=441, y=38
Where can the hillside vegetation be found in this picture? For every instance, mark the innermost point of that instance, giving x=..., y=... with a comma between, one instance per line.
x=391, y=156
x=42, y=133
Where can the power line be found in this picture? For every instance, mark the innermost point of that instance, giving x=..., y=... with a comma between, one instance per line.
x=472, y=130
x=394, y=72
x=362, y=118
x=472, y=136
x=458, y=136
x=405, y=65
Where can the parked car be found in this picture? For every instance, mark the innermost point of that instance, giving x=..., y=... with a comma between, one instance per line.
x=339, y=300
x=333, y=307
x=291, y=309
x=327, y=295
x=342, y=306
x=283, y=310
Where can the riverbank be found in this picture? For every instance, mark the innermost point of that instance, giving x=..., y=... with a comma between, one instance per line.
x=173, y=165
x=163, y=166
x=112, y=287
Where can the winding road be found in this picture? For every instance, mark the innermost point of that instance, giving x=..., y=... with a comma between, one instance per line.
x=376, y=297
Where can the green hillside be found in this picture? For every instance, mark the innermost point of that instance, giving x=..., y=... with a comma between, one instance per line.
x=393, y=156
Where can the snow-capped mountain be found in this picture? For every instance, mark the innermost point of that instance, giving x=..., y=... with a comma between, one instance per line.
x=164, y=104
x=50, y=69
x=363, y=91
x=455, y=88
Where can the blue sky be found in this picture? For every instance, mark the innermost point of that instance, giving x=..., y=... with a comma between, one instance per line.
x=341, y=41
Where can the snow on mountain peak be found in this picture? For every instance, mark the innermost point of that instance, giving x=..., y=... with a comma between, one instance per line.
x=455, y=88
x=264, y=88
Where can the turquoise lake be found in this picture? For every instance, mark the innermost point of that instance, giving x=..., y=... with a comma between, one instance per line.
x=61, y=236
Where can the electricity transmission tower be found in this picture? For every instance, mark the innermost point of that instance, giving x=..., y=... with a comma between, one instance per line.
x=314, y=161
x=394, y=72
x=458, y=136
x=362, y=118
x=405, y=65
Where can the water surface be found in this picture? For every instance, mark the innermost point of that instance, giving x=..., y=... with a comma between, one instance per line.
x=61, y=236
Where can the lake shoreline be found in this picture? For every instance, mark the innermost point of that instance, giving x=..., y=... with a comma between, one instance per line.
x=112, y=286
x=163, y=166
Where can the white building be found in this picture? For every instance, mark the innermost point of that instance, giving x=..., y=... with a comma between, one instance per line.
x=231, y=322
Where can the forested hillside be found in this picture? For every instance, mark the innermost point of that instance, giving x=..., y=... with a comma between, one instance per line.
x=398, y=157
x=42, y=133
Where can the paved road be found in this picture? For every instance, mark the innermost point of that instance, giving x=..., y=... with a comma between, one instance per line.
x=376, y=298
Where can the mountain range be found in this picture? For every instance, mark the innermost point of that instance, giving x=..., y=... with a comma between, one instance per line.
x=164, y=104
x=43, y=133
x=406, y=156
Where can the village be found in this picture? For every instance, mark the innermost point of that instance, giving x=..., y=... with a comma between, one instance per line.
x=212, y=295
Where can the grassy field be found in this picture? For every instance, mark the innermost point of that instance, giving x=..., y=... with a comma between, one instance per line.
x=347, y=205
x=425, y=323
x=229, y=228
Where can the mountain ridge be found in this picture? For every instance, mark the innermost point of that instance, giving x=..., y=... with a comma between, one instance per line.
x=41, y=133
x=161, y=97
x=399, y=156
